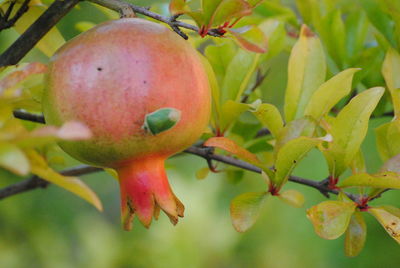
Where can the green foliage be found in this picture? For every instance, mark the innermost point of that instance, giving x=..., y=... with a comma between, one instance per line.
x=338, y=62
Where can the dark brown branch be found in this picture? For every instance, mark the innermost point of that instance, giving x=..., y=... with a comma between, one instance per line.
x=37, y=118
x=36, y=31
x=118, y=5
x=5, y=22
x=36, y=182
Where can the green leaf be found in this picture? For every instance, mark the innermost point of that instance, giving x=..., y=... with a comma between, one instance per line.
x=51, y=41
x=72, y=184
x=387, y=139
x=358, y=163
x=275, y=32
x=355, y=235
x=219, y=57
x=251, y=38
x=161, y=120
x=230, y=111
x=300, y=127
x=17, y=74
x=270, y=117
x=389, y=221
x=290, y=155
x=331, y=218
x=202, y=173
x=230, y=9
x=177, y=7
x=245, y=210
x=379, y=19
x=356, y=32
x=380, y=180
x=391, y=73
x=238, y=74
x=392, y=165
x=330, y=93
x=292, y=197
x=84, y=26
x=215, y=90
x=349, y=129
x=233, y=148
x=13, y=159
x=306, y=72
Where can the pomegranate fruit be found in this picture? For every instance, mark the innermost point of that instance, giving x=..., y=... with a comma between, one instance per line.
x=144, y=93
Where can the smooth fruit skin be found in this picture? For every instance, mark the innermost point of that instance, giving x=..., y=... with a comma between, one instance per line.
x=109, y=78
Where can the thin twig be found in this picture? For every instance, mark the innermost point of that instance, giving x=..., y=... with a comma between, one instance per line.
x=207, y=154
x=35, y=182
x=5, y=22
x=259, y=79
x=117, y=5
x=36, y=31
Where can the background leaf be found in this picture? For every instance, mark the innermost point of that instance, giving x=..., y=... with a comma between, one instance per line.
x=331, y=218
x=306, y=72
x=245, y=210
x=356, y=235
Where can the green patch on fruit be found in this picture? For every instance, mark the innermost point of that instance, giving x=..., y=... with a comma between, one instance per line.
x=161, y=120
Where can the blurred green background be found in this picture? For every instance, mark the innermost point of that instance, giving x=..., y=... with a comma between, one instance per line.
x=53, y=228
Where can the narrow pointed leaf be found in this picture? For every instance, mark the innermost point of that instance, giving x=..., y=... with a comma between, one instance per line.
x=270, y=117
x=72, y=184
x=389, y=221
x=230, y=9
x=331, y=218
x=250, y=38
x=392, y=165
x=380, y=180
x=51, y=41
x=230, y=111
x=238, y=74
x=293, y=198
x=245, y=210
x=349, y=129
x=233, y=148
x=391, y=73
x=306, y=72
x=330, y=93
x=387, y=139
x=355, y=235
x=13, y=159
x=290, y=155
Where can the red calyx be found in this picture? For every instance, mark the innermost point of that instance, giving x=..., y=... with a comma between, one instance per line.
x=145, y=190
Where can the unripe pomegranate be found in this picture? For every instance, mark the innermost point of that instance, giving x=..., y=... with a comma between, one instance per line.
x=143, y=92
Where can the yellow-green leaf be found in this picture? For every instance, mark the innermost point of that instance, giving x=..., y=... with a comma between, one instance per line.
x=306, y=72
x=245, y=210
x=251, y=38
x=330, y=93
x=331, y=218
x=51, y=41
x=355, y=235
x=289, y=156
x=388, y=139
x=392, y=165
x=389, y=221
x=202, y=173
x=13, y=159
x=229, y=9
x=349, y=129
x=177, y=7
x=230, y=111
x=270, y=117
x=292, y=197
x=18, y=75
x=233, y=148
x=40, y=168
x=391, y=73
x=380, y=180
x=238, y=74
